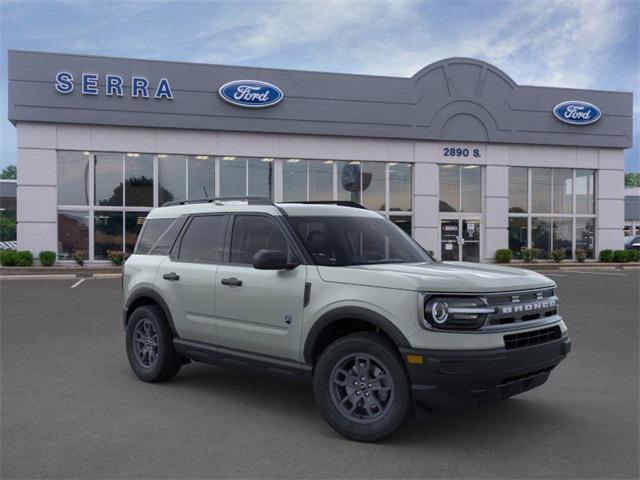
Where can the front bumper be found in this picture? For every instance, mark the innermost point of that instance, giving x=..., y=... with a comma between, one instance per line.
x=452, y=379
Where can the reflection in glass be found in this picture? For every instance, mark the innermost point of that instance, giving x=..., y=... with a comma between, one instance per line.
x=320, y=180
x=73, y=233
x=562, y=190
x=260, y=176
x=171, y=178
x=400, y=186
x=233, y=176
x=349, y=177
x=373, y=185
x=108, y=179
x=138, y=170
x=107, y=233
x=518, y=190
x=201, y=176
x=541, y=190
x=294, y=180
x=471, y=188
x=517, y=235
x=585, y=235
x=449, y=188
x=541, y=235
x=73, y=178
x=562, y=233
x=585, y=191
x=133, y=222
x=403, y=222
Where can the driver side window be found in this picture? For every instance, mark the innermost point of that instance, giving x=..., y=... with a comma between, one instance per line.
x=252, y=233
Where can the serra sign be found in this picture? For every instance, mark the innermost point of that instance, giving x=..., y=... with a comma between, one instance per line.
x=113, y=85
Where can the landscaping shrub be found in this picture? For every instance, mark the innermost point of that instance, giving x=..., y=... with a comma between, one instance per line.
x=526, y=254
x=538, y=254
x=606, y=255
x=620, y=256
x=633, y=255
x=47, y=258
x=503, y=255
x=581, y=254
x=24, y=258
x=117, y=257
x=558, y=255
x=8, y=258
x=79, y=256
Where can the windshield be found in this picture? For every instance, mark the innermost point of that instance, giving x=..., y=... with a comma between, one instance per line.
x=343, y=241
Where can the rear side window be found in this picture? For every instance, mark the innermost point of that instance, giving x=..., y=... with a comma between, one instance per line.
x=252, y=233
x=203, y=241
x=152, y=231
x=168, y=238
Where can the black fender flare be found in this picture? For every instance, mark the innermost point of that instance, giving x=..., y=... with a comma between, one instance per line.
x=147, y=292
x=351, y=313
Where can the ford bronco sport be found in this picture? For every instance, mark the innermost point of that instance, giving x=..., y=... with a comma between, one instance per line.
x=339, y=295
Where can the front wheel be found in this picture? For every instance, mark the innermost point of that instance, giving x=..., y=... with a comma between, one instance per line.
x=361, y=387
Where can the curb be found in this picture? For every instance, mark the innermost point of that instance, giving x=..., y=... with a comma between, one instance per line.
x=59, y=276
x=572, y=266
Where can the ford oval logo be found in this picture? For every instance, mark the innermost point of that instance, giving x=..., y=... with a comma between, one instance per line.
x=577, y=112
x=250, y=93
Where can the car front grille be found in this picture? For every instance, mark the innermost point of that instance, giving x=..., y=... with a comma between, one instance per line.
x=534, y=337
x=519, y=307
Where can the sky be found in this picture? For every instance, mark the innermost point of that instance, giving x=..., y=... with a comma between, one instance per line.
x=567, y=43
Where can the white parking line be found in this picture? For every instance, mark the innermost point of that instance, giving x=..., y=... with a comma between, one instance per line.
x=78, y=283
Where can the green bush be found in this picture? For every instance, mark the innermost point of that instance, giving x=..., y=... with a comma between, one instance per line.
x=526, y=254
x=8, y=258
x=24, y=258
x=117, y=257
x=620, y=256
x=79, y=256
x=558, y=255
x=47, y=258
x=633, y=255
x=606, y=256
x=503, y=255
x=581, y=254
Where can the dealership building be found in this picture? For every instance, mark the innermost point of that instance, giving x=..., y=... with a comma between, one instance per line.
x=458, y=155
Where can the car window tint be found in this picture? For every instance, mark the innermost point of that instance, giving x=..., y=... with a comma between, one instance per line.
x=203, y=241
x=252, y=233
x=151, y=232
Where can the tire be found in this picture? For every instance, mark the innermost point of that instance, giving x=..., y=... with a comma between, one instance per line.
x=150, y=345
x=384, y=400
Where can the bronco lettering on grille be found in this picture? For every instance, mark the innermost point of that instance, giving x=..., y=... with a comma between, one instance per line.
x=528, y=307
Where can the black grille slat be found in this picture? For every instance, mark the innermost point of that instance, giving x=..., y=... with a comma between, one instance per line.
x=516, y=299
x=534, y=337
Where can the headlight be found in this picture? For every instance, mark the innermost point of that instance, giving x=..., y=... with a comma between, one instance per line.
x=455, y=312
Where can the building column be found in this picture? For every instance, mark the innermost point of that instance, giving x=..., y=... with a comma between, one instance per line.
x=610, y=200
x=36, y=193
x=496, y=208
x=425, y=206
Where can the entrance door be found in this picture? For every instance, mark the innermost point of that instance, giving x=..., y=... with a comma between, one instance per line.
x=460, y=239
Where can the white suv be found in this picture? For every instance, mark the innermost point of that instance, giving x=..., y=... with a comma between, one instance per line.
x=339, y=295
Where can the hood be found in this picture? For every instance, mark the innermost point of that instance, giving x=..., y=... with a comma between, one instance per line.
x=456, y=277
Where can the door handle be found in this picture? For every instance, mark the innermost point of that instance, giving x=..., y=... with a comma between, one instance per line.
x=171, y=276
x=232, y=282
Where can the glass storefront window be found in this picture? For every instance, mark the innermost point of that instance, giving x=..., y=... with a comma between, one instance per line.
x=518, y=190
x=133, y=222
x=294, y=180
x=585, y=235
x=373, y=180
x=233, y=176
x=562, y=235
x=449, y=188
x=349, y=180
x=562, y=190
x=541, y=190
x=471, y=191
x=541, y=235
x=138, y=170
x=171, y=178
x=260, y=177
x=400, y=176
x=73, y=233
x=585, y=192
x=320, y=180
x=108, y=179
x=403, y=222
x=73, y=178
x=107, y=233
x=201, y=181
x=517, y=235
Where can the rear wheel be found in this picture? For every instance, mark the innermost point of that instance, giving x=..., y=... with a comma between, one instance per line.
x=150, y=345
x=361, y=387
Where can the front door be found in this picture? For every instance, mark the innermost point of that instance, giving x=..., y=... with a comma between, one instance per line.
x=460, y=239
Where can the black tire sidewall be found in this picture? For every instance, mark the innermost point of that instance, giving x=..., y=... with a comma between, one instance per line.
x=166, y=365
x=379, y=348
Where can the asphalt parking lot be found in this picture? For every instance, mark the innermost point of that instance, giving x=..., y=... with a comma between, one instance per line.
x=71, y=407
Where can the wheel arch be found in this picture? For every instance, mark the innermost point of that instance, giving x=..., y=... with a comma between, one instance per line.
x=329, y=321
x=148, y=296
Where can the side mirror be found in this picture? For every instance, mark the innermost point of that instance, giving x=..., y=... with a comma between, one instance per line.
x=272, y=260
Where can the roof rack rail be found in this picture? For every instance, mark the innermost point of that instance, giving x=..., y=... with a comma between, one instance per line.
x=340, y=203
x=251, y=200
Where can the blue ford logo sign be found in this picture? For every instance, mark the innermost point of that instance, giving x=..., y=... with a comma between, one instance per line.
x=577, y=112
x=250, y=93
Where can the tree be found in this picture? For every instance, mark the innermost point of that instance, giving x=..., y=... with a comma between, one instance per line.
x=632, y=180
x=9, y=172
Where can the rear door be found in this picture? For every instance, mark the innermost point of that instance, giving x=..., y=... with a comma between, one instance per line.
x=259, y=310
x=187, y=277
